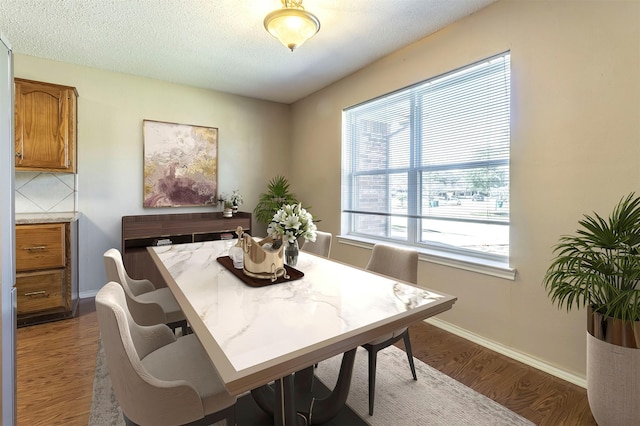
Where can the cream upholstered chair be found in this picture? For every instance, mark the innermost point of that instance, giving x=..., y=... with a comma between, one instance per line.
x=150, y=386
x=401, y=264
x=321, y=246
x=148, y=305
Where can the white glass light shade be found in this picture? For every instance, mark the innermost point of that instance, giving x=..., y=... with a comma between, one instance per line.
x=292, y=26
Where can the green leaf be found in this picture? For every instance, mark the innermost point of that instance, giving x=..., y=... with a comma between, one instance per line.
x=600, y=265
x=269, y=202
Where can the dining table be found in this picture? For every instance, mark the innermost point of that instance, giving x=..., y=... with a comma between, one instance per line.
x=267, y=337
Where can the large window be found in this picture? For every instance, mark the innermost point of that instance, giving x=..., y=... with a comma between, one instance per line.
x=428, y=165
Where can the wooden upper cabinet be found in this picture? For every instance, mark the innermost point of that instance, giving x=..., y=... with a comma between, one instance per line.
x=45, y=126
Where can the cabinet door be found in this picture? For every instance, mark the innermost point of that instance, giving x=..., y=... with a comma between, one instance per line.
x=45, y=116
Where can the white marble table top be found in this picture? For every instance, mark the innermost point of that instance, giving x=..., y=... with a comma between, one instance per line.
x=257, y=334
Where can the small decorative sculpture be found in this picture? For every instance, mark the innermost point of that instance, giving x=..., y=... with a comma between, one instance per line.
x=263, y=259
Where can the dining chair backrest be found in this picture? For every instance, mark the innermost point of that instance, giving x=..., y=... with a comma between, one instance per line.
x=116, y=271
x=397, y=262
x=321, y=246
x=143, y=312
x=401, y=264
x=143, y=398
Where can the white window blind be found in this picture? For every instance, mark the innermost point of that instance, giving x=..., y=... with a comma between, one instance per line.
x=428, y=165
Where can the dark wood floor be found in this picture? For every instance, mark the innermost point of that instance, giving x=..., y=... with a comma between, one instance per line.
x=56, y=363
x=540, y=397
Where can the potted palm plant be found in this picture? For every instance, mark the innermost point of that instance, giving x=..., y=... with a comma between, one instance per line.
x=599, y=268
x=270, y=202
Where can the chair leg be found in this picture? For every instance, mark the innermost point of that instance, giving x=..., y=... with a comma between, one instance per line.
x=373, y=352
x=407, y=348
x=183, y=325
x=128, y=422
x=186, y=329
x=231, y=418
x=372, y=378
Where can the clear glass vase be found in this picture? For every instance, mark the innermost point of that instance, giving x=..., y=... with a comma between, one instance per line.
x=236, y=253
x=291, y=253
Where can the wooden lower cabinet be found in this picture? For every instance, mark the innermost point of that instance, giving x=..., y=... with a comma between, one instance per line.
x=46, y=272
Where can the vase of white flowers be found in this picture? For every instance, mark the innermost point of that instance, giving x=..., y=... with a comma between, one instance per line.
x=227, y=211
x=236, y=200
x=289, y=223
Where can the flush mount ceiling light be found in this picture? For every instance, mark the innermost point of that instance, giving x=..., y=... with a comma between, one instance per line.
x=292, y=25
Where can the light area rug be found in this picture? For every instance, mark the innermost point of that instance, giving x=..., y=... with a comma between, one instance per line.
x=434, y=399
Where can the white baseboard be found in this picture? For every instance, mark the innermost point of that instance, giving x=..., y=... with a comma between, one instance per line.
x=88, y=294
x=506, y=351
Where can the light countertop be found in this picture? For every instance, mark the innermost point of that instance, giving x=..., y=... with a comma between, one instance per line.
x=26, y=218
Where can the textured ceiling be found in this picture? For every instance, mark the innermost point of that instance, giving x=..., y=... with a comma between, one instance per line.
x=222, y=44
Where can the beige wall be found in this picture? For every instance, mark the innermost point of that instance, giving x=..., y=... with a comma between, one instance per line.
x=253, y=137
x=575, y=148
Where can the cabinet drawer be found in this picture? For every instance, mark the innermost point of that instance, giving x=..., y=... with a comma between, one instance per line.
x=40, y=246
x=39, y=291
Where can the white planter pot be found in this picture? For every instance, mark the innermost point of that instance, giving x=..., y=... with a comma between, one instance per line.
x=613, y=383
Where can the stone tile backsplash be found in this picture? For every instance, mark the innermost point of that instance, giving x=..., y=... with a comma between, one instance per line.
x=38, y=192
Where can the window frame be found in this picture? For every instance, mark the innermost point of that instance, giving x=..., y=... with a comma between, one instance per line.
x=432, y=251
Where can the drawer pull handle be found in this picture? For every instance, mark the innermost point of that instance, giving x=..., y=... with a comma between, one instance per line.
x=35, y=248
x=35, y=293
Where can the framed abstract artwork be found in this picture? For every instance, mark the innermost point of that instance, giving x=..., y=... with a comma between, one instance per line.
x=180, y=165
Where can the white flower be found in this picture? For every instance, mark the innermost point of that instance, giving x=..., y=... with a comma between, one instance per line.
x=279, y=217
x=292, y=222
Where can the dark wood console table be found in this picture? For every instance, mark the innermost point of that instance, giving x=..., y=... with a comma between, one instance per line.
x=142, y=231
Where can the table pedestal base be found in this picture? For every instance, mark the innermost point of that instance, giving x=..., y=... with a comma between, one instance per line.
x=291, y=401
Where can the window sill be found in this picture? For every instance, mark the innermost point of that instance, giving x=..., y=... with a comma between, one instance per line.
x=459, y=261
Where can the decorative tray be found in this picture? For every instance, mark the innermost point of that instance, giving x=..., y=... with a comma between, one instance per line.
x=293, y=273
